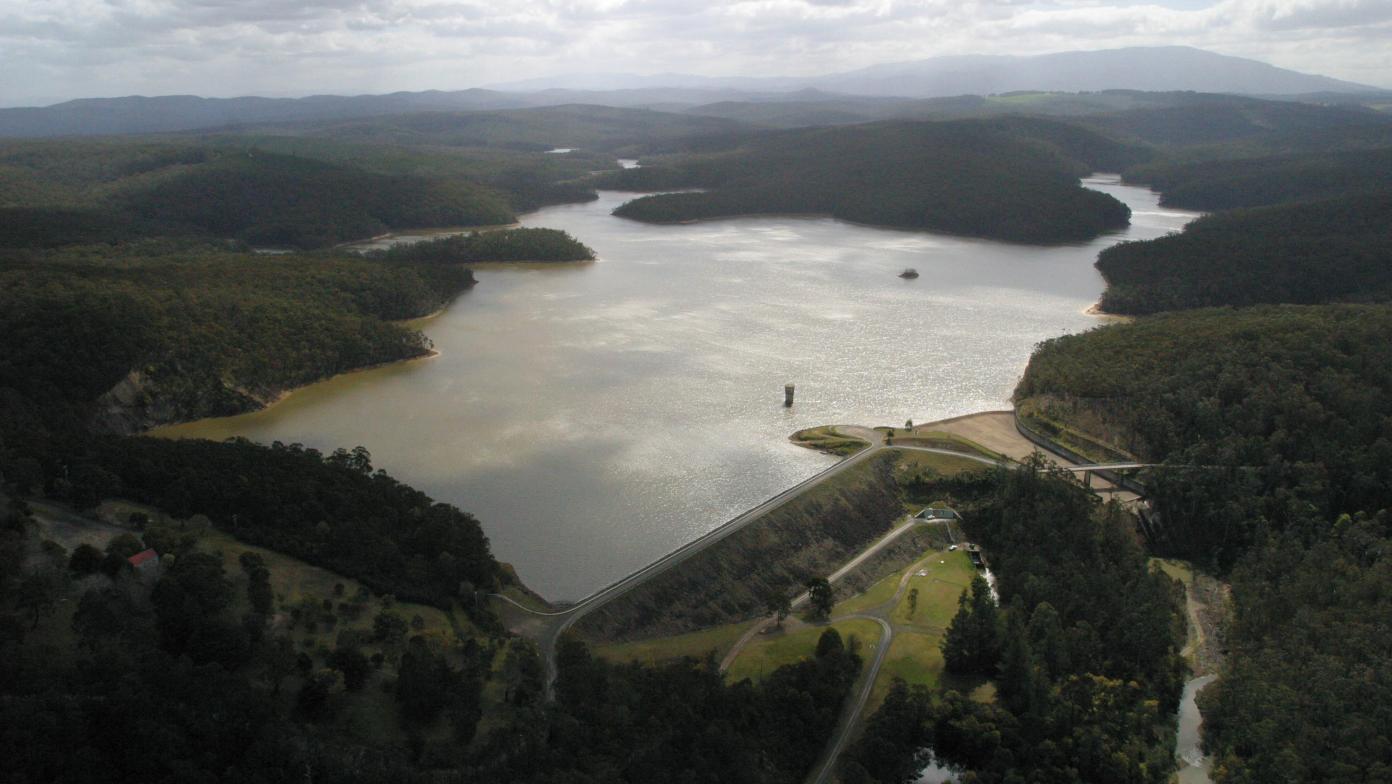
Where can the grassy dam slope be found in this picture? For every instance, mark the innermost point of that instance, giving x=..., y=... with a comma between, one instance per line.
x=809, y=536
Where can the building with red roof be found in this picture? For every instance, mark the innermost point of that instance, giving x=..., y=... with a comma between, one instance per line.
x=146, y=563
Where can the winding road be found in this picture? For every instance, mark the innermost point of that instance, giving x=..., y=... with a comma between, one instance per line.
x=556, y=622
x=850, y=712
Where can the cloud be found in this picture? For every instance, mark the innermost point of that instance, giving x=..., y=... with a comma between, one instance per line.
x=68, y=48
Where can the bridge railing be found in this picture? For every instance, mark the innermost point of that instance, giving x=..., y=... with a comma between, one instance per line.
x=1049, y=445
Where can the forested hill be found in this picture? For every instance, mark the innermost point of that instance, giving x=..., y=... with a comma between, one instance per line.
x=506, y=245
x=586, y=127
x=1276, y=423
x=1206, y=119
x=111, y=191
x=1013, y=179
x=1338, y=250
x=163, y=332
x=1317, y=231
x=283, y=201
x=1268, y=179
x=1300, y=396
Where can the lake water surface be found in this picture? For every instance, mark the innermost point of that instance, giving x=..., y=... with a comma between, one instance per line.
x=596, y=416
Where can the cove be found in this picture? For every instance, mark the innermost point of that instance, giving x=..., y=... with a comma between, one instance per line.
x=596, y=416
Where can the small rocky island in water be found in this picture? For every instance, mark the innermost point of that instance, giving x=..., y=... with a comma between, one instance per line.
x=909, y=273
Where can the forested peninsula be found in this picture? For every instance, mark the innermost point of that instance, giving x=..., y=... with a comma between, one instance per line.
x=125, y=191
x=1008, y=180
x=1290, y=225
x=1339, y=250
x=505, y=245
x=163, y=332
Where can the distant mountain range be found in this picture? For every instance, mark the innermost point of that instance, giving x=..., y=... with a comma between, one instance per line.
x=1149, y=69
x=1137, y=68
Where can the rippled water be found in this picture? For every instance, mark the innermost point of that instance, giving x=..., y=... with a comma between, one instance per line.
x=1194, y=766
x=596, y=416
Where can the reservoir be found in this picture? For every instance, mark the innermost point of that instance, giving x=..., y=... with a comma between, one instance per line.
x=596, y=416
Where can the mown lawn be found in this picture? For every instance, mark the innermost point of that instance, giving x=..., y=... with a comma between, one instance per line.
x=872, y=597
x=914, y=657
x=938, y=587
x=772, y=651
x=909, y=463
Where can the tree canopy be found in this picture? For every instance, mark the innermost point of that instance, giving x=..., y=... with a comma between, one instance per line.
x=1009, y=180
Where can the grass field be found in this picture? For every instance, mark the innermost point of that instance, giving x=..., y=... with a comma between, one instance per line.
x=914, y=657
x=939, y=439
x=763, y=656
x=938, y=590
x=295, y=582
x=910, y=464
x=874, y=596
x=1175, y=568
x=827, y=439
x=696, y=644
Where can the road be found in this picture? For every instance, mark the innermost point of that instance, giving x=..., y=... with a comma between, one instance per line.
x=850, y=712
x=759, y=626
x=558, y=621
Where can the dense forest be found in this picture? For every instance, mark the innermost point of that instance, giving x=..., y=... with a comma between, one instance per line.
x=1006, y=179
x=278, y=191
x=1330, y=251
x=1272, y=422
x=1290, y=405
x=1308, y=695
x=190, y=331
x=1083, y=648
x=279, y=201
x=1303, y=218
x=525, y=178
x=676, y=722
x=1274, y=425
x=613, y=130
x=1266, y=180
x=358, y=523
x=502, y=245
x=1208, y=120
x=187, y=676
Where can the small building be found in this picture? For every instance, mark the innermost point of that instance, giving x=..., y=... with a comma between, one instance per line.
x=146, y=564
x=936, y=513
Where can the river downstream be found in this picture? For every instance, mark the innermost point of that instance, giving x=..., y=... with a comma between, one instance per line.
x=596, y=416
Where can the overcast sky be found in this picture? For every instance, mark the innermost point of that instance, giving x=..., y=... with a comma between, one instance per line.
x=53, y=50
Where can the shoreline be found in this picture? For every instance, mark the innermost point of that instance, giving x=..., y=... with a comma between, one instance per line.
x=882, y=227
x=1095, y=310
x=503, y=265
x=414, y=322
x=425, y=231
x=280, y=397
x=1082, y=181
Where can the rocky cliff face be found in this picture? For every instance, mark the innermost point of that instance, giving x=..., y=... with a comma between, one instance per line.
x=139, y=402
